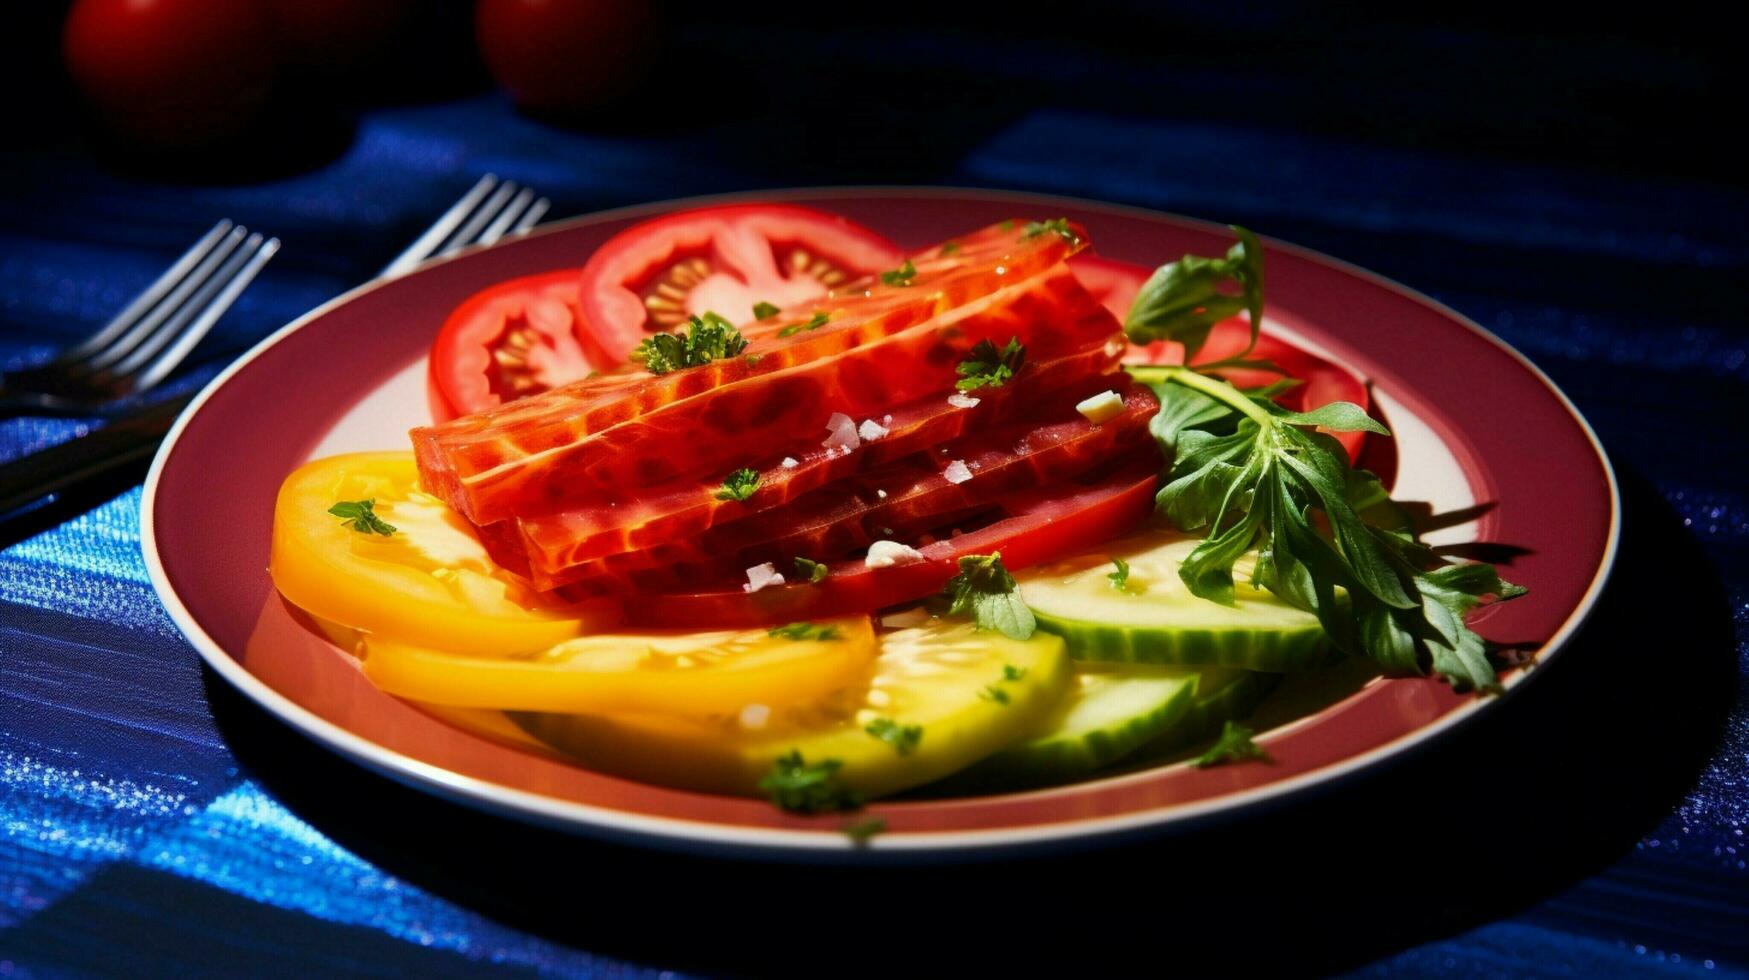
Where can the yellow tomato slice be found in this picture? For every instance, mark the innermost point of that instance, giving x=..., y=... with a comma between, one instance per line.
x=681, y=672
x=429, y=583
x=938, y=698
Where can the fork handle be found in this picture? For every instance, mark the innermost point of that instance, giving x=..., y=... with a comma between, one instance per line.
x=120, y=444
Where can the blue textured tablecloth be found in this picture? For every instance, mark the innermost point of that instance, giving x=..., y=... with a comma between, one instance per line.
x=133, y=840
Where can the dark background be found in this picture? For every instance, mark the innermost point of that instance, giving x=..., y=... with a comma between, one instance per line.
x=1574, y=183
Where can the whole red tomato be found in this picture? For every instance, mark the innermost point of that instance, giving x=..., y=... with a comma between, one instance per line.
x=565, y=56
x=172, y=73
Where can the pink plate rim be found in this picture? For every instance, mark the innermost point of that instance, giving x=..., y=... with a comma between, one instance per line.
x=794, y=838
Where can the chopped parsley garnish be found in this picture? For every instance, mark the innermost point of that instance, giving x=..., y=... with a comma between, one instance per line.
x=1120, y=579
x=903, y=738
x=739, y=486
x=901, y=276
x=1234, y=745
x=860, y=831
x=708, y=337
x=764, y=311
x=948, y=248
x=803, y=787
x=984, y=590
x=804, y=631
x=359, y=516
x=817, y=321
x=1007, y=225
x=812, y=571
x=1058, y=225
x=1012, y=673
x=994, y=693
x=986, y=367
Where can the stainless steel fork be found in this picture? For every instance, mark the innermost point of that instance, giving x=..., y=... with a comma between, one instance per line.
x=489, y=210
x=148, y=339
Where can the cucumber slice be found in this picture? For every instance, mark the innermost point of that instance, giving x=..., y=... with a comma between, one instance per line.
x=1156, y=620
x=1222, y=696
x=965, y=694
x=1110, y=711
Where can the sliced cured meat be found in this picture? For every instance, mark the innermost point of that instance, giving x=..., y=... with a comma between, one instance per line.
x=1032, y=526
x=716, y=426
x=896, y=500
x=633, y=518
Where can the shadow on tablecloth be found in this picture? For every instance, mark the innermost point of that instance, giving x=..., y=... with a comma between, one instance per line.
x=1544, y=791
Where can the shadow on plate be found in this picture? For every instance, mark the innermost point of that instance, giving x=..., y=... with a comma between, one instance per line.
x=1553, y=785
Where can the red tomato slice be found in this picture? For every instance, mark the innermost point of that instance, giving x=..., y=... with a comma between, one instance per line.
x=652, y=276
x=509, y=341
x=1115, y=284
x=1040, y=524
x=900, y=500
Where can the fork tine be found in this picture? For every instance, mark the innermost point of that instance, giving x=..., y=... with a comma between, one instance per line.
x=507, y=217
x=148, y=325
x=188, y=337
x=532, y=215
x=147, y=299
x=426, y=244
x=467, y=233
x=178, y=322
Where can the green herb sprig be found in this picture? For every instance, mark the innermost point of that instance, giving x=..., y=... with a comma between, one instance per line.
x=359, y=516
x=708, y=338
x=903, y=738
x=902, y=276
x=1258, y=477
x=986, y=367
x=1234, y=745
x=799, y=786
x=803, y=631
x=985, y=590
x=814, y=322
x=739, y=485
x=1060, y=226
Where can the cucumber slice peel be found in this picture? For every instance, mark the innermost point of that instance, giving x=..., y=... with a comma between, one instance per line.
x=1109, y=712
x=1155, y=619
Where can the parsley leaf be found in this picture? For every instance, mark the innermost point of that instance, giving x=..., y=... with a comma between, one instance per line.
x=813, y=571
x=1120, y=579
x=1058, y=225
x=1183, y=300
x=708, y=337
x=984, y=590
x=1012, y=673
x=739, y=486
x=948, y=248
x=859, y=831
x=764, y=311
x=1257, y=479
x=994, y=693
x=803, y=631
x=903, y=738
x=803, y=787
x=1234, y=745
x=815, y=322
x=986, y=367
x=359, y=516
x=901, y=276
